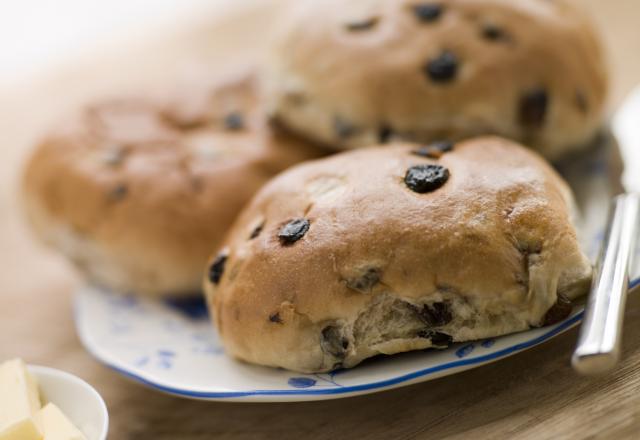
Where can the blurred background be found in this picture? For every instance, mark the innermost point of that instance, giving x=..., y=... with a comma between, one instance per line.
x=57, y=54
x=38, y=35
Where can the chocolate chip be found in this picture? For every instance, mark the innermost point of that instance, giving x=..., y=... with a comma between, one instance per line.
x=342, y=128
x=436, y=314
x=384, y=134
x=234, y=121
x=275, y=317
x=492, y=32
x=216, y=270
x=533, y=108
x=118, y=193
x=427, y=12
x=559, y=311
x=426, y=178
x=293, y=231
x=362, y=25
x=438, y=339
x=434, y=150
x=333, y=342
x=443, y=68
x=256, y=231
x=366, y=282
x=581, y=101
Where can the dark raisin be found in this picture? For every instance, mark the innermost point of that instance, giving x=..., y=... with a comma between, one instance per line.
x=428, y=12
x=492, y=32
x=256, y=231
x=118, y=193
x=443, y=68
x=384, y=134
x=365, y=282
x=436, y=314
x=275, y=317
x=426, y=178
x=559, y=311
x=342, y=128
x=216, y=270
x=333, y=342
x=441, y=339
x=533, y=108
x=434, y=150
x=438, y=339
x=293, y=231
x=362, y=25
x=234, y=121
x=581, y=102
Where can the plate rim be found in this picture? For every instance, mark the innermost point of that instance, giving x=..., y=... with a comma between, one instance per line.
x=343, y=391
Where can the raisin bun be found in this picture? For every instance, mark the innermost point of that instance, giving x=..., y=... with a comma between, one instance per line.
x=350, y=74
x=137, y=191
x=390, y=249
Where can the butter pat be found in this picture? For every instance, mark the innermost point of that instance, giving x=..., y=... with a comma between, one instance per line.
x=19, y=397
x=56, y=426
x=21, y=415
x=23, y=430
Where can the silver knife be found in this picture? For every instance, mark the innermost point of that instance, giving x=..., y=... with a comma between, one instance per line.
x=598, y=348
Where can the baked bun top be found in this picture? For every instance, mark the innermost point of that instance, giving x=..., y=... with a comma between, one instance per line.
x=152, y=183
x=328, y=251
x=351, y=74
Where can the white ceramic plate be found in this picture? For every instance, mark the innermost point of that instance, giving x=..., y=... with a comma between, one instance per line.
x=171, y=346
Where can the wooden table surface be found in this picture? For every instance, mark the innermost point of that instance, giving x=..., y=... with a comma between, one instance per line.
x=531, y=395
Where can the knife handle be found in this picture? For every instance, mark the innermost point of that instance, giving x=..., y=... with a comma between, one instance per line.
x=598, y=348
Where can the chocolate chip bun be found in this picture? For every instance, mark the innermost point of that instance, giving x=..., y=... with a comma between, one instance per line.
x=136, y=191
x=350, y=74
x=397, y=248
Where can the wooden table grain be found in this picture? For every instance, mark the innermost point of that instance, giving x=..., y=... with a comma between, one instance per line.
x=533, y=395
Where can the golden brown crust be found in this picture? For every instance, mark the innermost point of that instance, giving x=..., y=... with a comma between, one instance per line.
x=495, y=244
x=137, y=191
x=351, y=74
